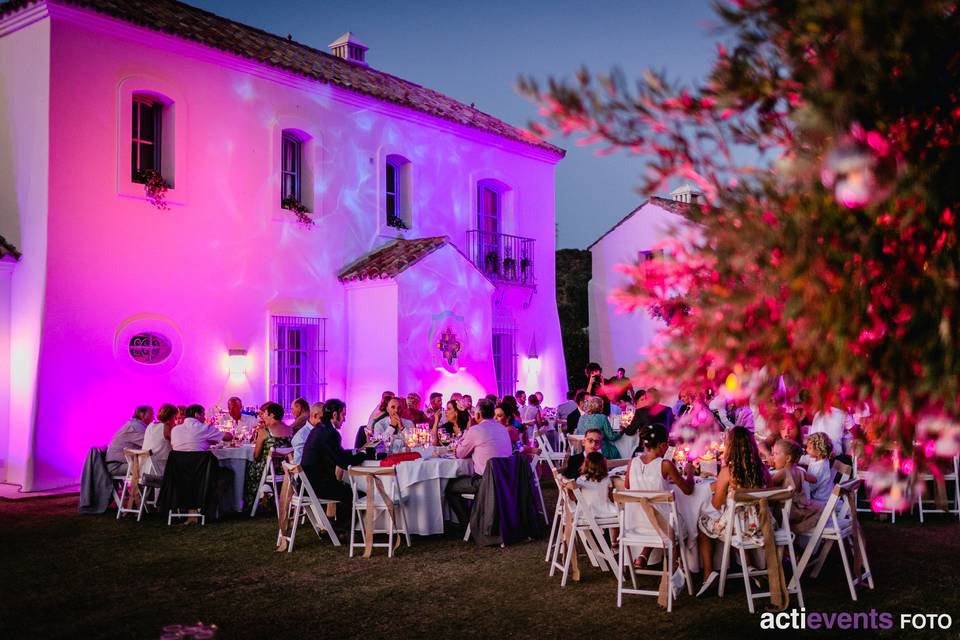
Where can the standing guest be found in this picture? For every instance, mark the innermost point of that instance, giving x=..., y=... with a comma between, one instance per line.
x=129, y=436
x=486, y=440
x=454, y=421
x=300, y=437
x=834, y=423
x=414, y=413
x=567, y=407
x=684, y=401
x=436, y=405
x=323, y=452
x=623, y=385
x=393, y=424
x=195, y=434
x=301, y=412
x=242, y=423
x=596, y=420
x=274, y=433
x=157, y=440
x=649, y=411
x=594, y=374
x=592, y=441
x=573, y=418
x=742, y=469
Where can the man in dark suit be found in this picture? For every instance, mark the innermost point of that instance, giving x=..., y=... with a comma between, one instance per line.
x=574, y=417
x=592, y=441
x=323, y=453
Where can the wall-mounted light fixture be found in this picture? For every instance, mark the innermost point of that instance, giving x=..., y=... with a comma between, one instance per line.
x=237, y=362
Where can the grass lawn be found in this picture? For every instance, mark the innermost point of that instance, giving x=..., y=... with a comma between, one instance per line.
x=72, y=576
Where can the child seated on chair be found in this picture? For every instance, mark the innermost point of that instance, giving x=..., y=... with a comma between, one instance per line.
x=805, y=512
x=650, y=471
x=818, y=461
x=595, y=486
x=742, y=469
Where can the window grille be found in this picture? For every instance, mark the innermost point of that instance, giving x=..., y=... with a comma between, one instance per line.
x=299, y=359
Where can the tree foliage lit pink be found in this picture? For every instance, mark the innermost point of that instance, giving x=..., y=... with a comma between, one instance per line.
x=825, y=143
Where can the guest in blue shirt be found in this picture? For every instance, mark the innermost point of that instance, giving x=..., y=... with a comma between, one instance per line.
x=300, y=437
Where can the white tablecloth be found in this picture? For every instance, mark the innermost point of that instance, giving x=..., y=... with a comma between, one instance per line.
x=626, y=444
x=421, y=485
x=235, y=459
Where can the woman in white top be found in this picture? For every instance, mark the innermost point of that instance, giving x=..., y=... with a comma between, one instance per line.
x=595, y=486
x=649, y=471
x=157, y=440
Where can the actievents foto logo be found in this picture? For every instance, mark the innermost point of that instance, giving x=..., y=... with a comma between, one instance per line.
x=852, y=621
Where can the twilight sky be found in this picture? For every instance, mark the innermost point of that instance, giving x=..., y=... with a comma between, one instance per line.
x=474, y=51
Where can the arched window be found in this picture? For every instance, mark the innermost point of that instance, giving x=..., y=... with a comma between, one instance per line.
x=397, y=188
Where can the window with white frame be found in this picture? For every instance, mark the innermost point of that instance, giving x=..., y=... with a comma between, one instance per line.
x=299, y=359
x=397, y=187
x=145, y=138
x=291, y=169
x=505, y=356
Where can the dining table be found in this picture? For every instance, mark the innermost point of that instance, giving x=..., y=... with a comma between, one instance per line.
x=422, y=483
x=234, y=458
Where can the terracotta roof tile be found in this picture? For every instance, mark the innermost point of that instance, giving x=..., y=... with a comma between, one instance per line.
x=197, y=25
x=391, y=259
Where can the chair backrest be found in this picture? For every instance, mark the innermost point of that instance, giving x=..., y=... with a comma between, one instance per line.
x=841, y=471
x=841, y=508
x=359, y=475
x=296, y=473
x=574, y=443
x=142, y=454
x=547, y=451
x=741, y=500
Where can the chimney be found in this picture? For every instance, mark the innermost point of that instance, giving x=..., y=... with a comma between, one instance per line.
x=686, y=193
x=349, y=48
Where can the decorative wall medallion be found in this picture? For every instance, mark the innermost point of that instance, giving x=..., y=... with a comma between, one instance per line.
x=449, y=346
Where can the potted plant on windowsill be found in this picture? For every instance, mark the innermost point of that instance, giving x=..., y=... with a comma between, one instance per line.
x=154, y=188
x=509, y=268
x=298, y=209
x=396, y=222
x=491, y=263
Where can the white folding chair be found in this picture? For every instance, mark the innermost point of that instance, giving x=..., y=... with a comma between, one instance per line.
x=270, y=477
x=471, y=497
x=547, y=453
x=838, y=524
x=137, y=487
x=950, y=477
x=580, y=522
x=648, y=534
x=738, y=505
x=306, y=503
x=386, y=502
x=865, y=506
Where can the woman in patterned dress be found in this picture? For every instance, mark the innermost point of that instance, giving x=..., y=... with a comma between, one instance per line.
x=271, y=434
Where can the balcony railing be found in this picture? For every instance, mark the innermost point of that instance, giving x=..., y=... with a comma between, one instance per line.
x=502, y=257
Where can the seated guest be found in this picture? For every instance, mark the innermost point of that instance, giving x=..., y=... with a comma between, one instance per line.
x=453, y=421
x=530, y=414
x=435, y=406
x=492, y=397
x=818, y=461
x=521, y=397
x=273, y=433
x=592, y=441
x=301, y=412
x=467, y=402
x=129, y=436
x=300, y=437
x=742, y=469
x=596, y=420
x=788, y=474
x=157, y=440
x=596, y=486
x=181, y=413
x=392, y=424
x=380, y=412
x=413, y=413
x=485, y=440
x=564, y=409
x=573, y=418
x=195, y=434
x=789, y=429
x=242, y=423
x=323, y=453
x=500, y=416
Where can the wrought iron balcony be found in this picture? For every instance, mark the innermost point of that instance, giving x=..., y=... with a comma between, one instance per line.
x=502, y=257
